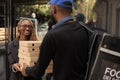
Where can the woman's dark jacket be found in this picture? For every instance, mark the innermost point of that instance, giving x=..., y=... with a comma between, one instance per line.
x=13, y=47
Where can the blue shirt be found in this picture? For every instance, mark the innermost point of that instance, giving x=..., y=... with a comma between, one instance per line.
x=62, y=21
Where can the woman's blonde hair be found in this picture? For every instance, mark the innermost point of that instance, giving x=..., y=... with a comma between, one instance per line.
x=32, y=36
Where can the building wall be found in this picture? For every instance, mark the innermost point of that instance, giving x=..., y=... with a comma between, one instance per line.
x=101, y=9
x=108, y=15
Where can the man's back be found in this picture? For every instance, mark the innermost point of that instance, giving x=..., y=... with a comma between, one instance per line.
x=66, y=43
x=71, y=51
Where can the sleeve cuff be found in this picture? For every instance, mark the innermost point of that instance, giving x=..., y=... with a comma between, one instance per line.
x=30, y=71
x=27, y=70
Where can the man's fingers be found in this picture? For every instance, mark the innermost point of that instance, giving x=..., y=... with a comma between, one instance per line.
x=25, y=65
x=24, y=72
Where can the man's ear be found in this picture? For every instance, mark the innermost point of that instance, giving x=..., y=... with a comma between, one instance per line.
x=54, y=9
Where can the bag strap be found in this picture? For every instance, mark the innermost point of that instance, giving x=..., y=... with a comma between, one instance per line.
x=92, y=37
x=92, y=34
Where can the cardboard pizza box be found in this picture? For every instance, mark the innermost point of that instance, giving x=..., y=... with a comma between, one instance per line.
x=29, y=54
x=49, y=68
x=29, y=49
x=30, y=43
x=48, y=71
x=51, y=62
x=27, y=58
x=32, y=63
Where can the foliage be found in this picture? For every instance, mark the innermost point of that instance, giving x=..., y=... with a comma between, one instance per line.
x=85, y=7
x=27, y=10
x=80, y=6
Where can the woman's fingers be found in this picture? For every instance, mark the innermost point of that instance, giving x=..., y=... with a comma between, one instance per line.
x=17, y=66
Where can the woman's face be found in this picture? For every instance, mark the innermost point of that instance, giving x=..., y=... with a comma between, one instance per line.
x=25, y=28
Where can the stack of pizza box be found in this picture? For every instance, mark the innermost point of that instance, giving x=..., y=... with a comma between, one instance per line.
x=29, y=52
x=49, y=68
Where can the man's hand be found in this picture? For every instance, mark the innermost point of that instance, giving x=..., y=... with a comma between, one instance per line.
x=24, y=69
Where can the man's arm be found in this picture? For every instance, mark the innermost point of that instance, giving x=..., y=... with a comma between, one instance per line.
x=46, y=53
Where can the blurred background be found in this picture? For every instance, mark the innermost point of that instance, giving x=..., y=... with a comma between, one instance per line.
x=103, y=15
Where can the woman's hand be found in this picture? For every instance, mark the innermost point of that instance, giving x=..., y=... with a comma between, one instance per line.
x=17, y=66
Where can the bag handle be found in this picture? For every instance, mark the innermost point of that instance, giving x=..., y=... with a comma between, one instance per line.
x=92, y=37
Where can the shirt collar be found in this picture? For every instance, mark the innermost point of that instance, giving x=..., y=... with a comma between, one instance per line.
x=62, y=21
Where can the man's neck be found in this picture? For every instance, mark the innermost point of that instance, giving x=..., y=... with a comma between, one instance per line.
x=60, y=17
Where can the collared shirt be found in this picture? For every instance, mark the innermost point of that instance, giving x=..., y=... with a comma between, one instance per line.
x=62, y=21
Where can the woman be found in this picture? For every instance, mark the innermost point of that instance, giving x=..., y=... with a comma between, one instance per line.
x=26, y=32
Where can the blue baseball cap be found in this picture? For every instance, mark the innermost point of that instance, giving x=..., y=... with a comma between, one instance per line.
x=62, y=3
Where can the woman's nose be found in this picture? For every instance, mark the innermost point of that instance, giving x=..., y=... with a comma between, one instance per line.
x=27, y=27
